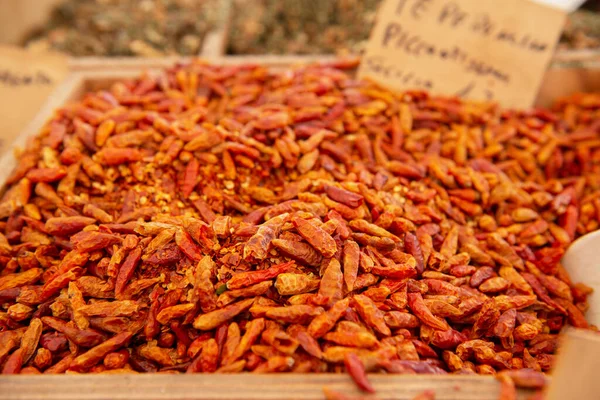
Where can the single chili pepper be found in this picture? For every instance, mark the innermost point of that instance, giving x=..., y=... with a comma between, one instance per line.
x=356, y=369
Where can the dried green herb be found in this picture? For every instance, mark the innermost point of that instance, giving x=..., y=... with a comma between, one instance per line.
x=582, y=31
x=128, y=27
x=221, y=289
x=300, y=26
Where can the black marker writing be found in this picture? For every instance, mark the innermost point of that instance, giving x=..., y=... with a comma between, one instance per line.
x=379, y=66
x=469, y=91
x=453, y=14
x=483, y=24
x=417, y=9
x=11, y=78
x=449, y=13
x=413, y=44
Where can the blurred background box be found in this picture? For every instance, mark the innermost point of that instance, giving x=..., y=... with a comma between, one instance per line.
x=19, y=17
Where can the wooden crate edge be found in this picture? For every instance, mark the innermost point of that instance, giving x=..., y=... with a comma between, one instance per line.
x=584, y=56
x=98, y=64
x=242, y=386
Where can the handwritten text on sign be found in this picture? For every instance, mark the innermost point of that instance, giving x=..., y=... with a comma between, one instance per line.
x=14, y=78
x=477, y=49
x=26, y=81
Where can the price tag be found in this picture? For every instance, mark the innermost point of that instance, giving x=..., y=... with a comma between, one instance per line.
x=475, y=49
x=26, y=81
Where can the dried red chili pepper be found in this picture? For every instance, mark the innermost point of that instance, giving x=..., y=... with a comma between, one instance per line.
x=356, y=369
x=249, y=278
x=223, y=230
x=127, y=269
x=317, y=237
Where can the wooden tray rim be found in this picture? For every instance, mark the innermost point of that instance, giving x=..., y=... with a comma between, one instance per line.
x=242, y=386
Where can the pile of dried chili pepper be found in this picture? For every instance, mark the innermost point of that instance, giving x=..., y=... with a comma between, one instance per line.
x=232, y=218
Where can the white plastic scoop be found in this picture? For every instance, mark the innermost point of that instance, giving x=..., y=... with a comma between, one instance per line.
x=567, y=5
x=575, y=373
x=582, y=262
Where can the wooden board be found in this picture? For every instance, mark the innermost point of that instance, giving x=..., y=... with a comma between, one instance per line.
x=95, y=65
x=97, y=74
x=242, y=386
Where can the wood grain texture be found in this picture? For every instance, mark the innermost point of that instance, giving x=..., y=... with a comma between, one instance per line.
x=589, y=58
x=241, y=386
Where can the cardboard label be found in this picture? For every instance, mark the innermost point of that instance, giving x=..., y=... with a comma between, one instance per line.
x=476, y=49
x=26, y=81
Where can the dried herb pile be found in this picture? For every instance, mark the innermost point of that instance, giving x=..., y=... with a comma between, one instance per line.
x=170, y=27
x=582, y=31
x=128, y=27
x=344, y=26
x=300, y=26
x=228, y=218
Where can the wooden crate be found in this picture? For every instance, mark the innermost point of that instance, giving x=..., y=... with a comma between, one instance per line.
x=100, y=73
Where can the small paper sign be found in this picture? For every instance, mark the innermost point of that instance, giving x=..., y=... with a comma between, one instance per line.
x=26, y=80
x=475, y=49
